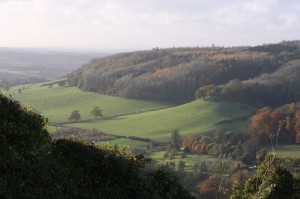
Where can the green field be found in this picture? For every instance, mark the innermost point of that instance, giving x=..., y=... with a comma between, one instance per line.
x=197, y=116
x=126, y=142
x=127, y=117
x=57, y=103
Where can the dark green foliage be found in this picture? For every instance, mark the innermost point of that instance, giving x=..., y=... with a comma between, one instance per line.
x=22, y=128
x=105, y=173
x=261, y=154
x=33, y=166
x=166, y=185
x=271, y=181
x=273, y=89
x=24, y=146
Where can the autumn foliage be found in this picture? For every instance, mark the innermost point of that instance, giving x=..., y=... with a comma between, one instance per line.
x=266, y=122
x=197, y=144
x=189, y=141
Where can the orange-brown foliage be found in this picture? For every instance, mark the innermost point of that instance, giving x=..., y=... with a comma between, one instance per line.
x=267, y=121
x=189, y=141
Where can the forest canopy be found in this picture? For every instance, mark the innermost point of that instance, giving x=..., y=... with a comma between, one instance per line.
x=174, y=74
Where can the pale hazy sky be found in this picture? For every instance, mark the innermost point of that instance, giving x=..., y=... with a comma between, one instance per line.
x=143, y=24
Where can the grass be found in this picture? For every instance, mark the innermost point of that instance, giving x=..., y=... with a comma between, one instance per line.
x=126, y=142
x=127, y=117
x=56, y=103
x=197, y=116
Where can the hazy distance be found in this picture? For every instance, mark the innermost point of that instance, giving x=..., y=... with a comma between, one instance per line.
x=143, y=24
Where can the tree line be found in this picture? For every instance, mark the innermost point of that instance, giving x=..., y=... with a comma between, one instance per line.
x=272, y=89
x=174, y=74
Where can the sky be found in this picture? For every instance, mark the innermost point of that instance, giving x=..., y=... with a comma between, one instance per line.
x=145, y=24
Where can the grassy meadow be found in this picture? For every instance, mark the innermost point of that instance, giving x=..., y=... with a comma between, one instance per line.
x=128, y=117
x=197, y=116
x=56, y=103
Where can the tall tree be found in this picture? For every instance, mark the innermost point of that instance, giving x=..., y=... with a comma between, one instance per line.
x=75, y=115
x=176, y=139
x=96, y=112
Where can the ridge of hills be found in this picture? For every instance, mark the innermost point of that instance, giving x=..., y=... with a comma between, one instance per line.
x=174, y=74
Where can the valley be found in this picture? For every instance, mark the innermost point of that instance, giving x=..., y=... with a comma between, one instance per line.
x=210, y=115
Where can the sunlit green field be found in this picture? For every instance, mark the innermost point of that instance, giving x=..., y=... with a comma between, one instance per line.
x=197, y=116
x=57, y=103
x=127, y=117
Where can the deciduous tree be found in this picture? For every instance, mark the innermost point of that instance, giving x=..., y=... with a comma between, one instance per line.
x=266, y=123
x=189, y=140
x=75, y=115
x=96, y=112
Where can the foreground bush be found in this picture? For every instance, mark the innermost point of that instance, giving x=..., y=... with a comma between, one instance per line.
x=34, y=166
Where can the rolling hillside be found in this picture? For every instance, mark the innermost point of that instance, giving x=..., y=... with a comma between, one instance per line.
x=198, y=116
x=56, y=103
x=128, y=117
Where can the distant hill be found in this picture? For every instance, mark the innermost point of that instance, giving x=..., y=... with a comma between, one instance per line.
x=29, y=65
x=174, y=74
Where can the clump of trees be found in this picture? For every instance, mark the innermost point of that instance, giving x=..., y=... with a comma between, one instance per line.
x=34, y=166
x=274, y=177
x=279, y=125
x=270, y=89
x=95, y=112
x=268, y=127
x=271, y=180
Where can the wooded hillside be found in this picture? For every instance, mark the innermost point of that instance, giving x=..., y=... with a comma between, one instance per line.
x=174, y=74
